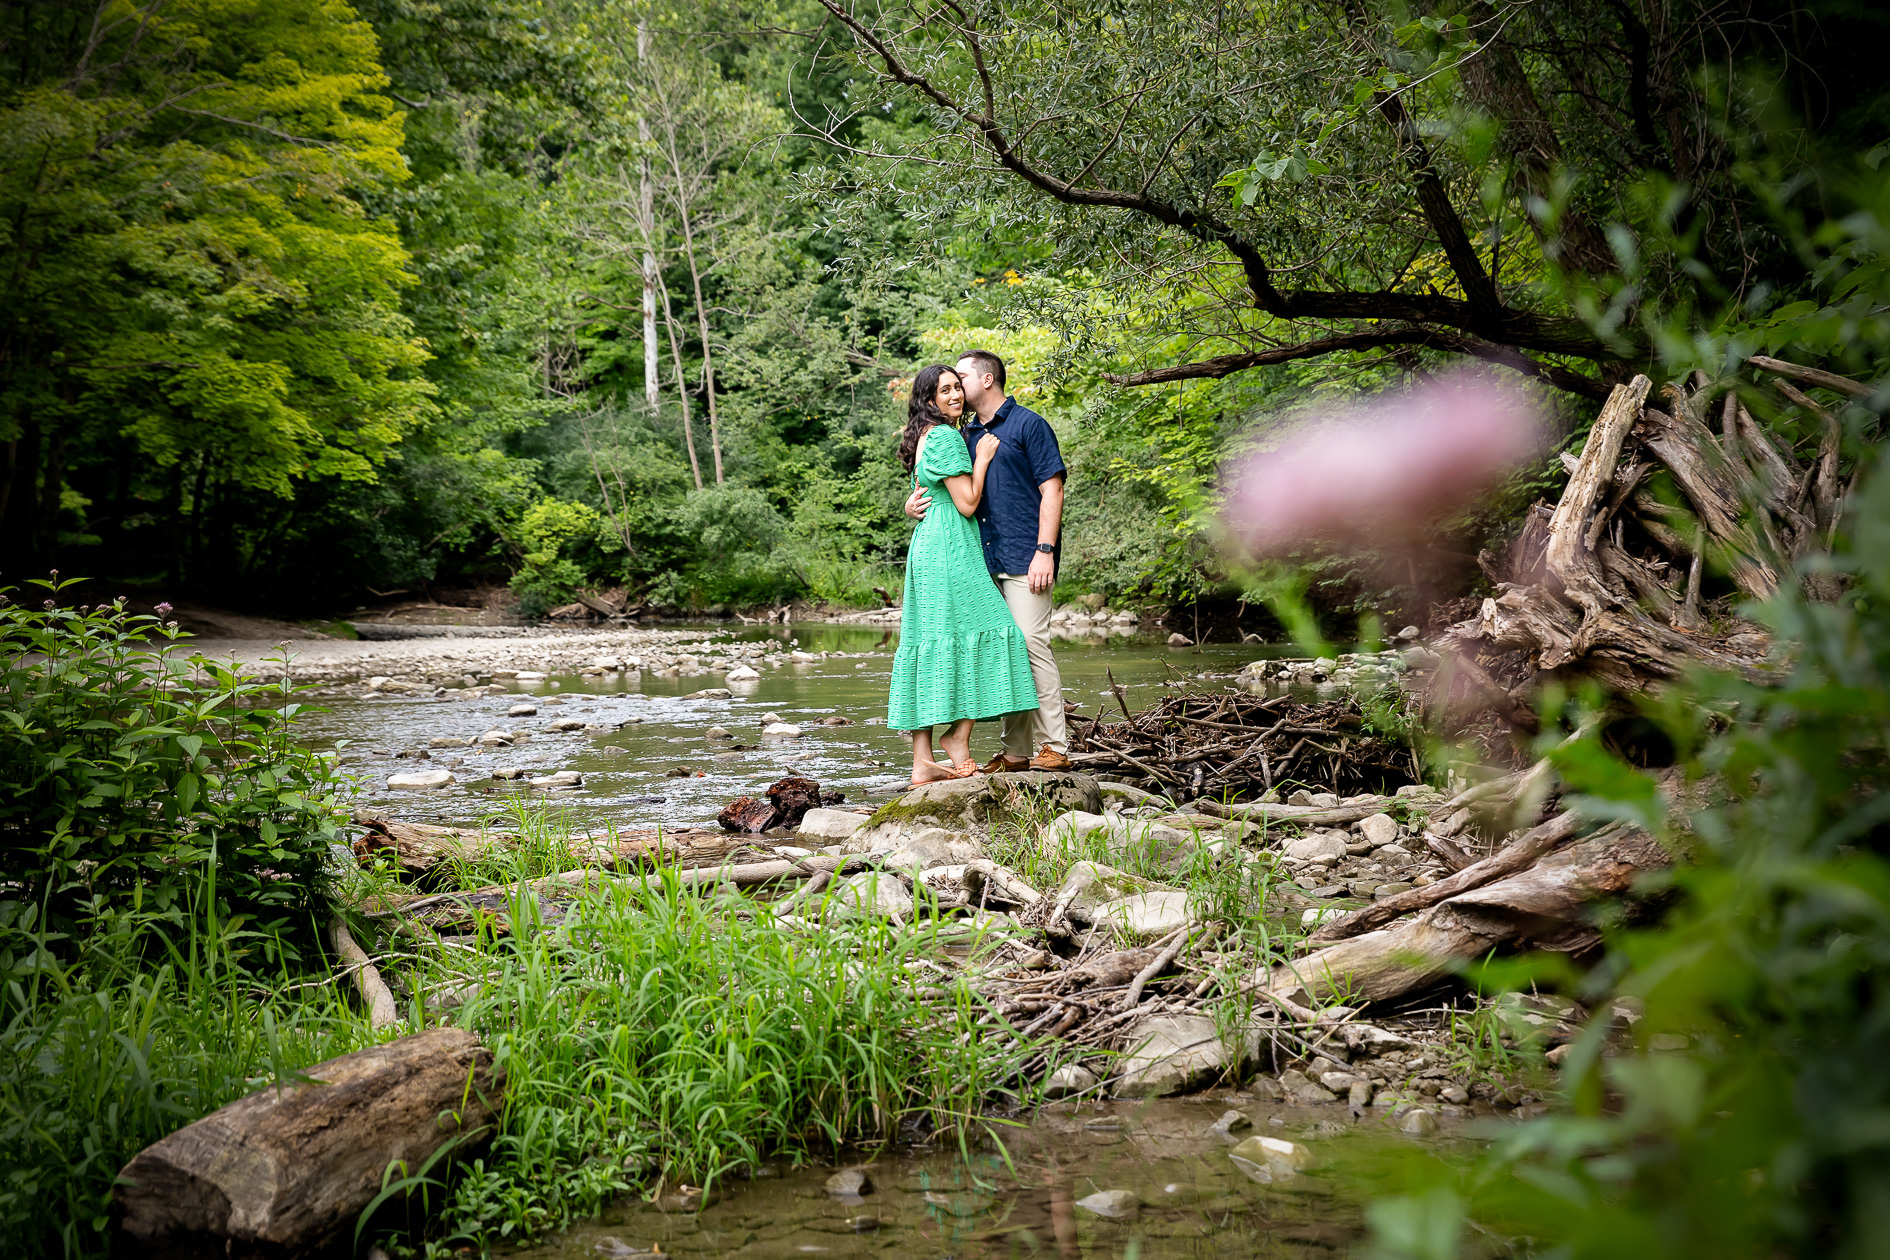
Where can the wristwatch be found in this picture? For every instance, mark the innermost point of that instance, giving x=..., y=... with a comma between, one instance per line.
x=1047, y=547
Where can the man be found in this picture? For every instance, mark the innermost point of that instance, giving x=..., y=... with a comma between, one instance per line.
x=1021, y=522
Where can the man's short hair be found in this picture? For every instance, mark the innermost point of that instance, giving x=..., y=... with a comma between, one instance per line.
x=987, y=362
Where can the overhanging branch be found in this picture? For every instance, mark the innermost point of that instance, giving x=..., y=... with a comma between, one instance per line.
x=1431, y=338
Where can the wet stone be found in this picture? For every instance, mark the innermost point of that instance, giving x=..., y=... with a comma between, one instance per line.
x=1113, y=1205
x=849, y=1181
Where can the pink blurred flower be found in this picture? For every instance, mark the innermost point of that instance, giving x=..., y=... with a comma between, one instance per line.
x=1380, y=471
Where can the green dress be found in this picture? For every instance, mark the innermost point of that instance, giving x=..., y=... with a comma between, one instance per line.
x=960, y=654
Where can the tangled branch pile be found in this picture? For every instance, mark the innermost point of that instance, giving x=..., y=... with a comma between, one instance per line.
x=1234, y=746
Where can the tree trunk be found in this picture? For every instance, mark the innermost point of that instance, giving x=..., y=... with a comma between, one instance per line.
x=286, y=1171
x=1542, y=907
x=423, y=851
x=646, y=219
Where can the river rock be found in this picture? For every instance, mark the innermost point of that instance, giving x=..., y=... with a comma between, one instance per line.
x=1071, y=1078
x=530, y=675
x=710, y=693
x=1339, y=1082
x=830, y=825
x=1091, y=885
x=1419, y=1122
x=448, y=741
x=496, y=739
x=561, y=779
x=1146, y=915
x=716, y=732
x=1172, y=1054
x=1379, y=830
x=512, y=772
x=421, y=779
x=1179, y=639
x=1302, y=1089
x=742, y=673
x=782, y=730
x=1230, y=1123
x=522, y=710
x=933, y=846
x=1320, y=844
x=850, y=1182
x=1270, y=1159
x=566, y=724
x=766, y=718
x=872, y=893
x=1114, y=1205
x=1369, y=1039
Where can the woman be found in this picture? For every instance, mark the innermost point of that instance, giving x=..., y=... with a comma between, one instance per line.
x=961, y=656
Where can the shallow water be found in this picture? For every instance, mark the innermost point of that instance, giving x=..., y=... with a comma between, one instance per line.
x=659, y=731
x=1026, y=1200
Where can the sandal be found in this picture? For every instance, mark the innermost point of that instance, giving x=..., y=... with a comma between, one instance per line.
x=968, y=768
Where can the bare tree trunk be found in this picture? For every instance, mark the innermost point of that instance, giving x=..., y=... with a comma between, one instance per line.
x=702, y=313
x=646, y=218
x=682, y=389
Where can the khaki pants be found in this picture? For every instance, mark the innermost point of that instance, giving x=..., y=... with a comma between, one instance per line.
x=1024, y=734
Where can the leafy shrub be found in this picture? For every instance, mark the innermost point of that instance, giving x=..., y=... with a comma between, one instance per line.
x=140, y=784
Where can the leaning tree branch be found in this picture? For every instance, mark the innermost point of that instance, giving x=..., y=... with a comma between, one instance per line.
x=1433, y=338
x=1524, y=330
x=1438, y=212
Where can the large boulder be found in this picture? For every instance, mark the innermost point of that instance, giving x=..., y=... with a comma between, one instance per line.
x=933, y=846
x=830, y=825
x=879, y=893
x=1317, y=845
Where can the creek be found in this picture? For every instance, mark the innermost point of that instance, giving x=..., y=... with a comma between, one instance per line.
x=647, y=760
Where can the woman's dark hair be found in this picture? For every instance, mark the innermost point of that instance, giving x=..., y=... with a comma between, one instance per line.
x=922, y=412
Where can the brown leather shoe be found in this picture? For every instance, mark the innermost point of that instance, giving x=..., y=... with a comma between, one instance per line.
x=1002, y=764
x=1049, y=759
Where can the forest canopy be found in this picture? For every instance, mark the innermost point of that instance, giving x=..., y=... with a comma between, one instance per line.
x=306, y=301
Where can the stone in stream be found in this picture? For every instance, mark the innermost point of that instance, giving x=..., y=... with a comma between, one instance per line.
x=1230, y=1123
x=768, y=718
x=496, y=739
x=448, y=741
x=830, y=825
x=1418, y=1122
x=1113, y=1205
x=567, y=724
x=710, y=693
x=1302, y=1089
x=522, y=710
x=742, y=673
x=1172, y=1054
x=1360, y=1095
x=1071, y=1078
x=528, y=675
x=421, y=779
x=1179, y=639
x=513, y=772
x=836, y=721
x=1270, y=1159
x=781, y=730
x=716, y=732
x=561, y=779
x=849, y=1183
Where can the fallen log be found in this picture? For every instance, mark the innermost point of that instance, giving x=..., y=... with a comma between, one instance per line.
x=1520, y=854
x=285, y=1171
x=1544, y=906
x=424, y=852
x=1298, y=815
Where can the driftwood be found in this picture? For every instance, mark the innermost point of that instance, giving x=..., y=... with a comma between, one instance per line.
x=424, y=852
x=382, y=1012
x=1543, y=906
x=1518, y=855
x=787, y=802
x=1607, y=583
x=285, y=1171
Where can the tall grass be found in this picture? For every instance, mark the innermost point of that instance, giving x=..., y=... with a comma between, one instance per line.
x=660, y=1032
x=100, y=1059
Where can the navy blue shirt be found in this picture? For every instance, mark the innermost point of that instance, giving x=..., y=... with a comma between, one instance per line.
x=1027, y=456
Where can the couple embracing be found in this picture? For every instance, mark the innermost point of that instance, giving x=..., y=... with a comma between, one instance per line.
x=974, y=637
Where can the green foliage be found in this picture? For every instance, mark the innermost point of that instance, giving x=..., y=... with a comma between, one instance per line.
x=141, y=785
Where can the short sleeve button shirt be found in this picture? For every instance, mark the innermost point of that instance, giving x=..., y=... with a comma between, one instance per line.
x=1027, y=456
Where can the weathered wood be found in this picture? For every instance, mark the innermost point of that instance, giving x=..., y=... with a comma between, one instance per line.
x=1545, y=905
x=1812, y=376
x=1568, y=556
x=1519, y=854
x=1298, y=815
x=1693, y=456
x=285, y=1171
x=382, y=1012
x=1824, y=482
x=423, y=851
